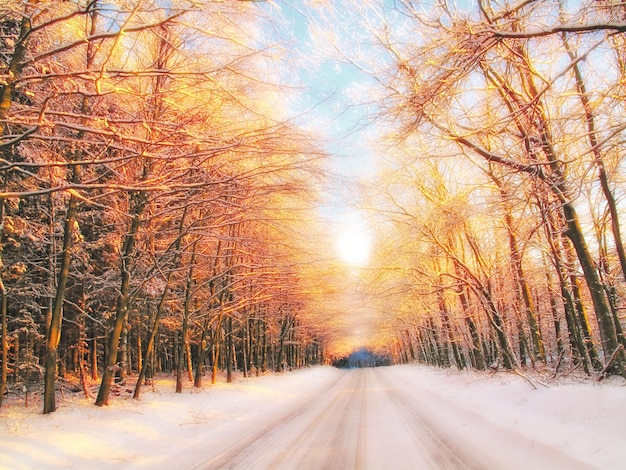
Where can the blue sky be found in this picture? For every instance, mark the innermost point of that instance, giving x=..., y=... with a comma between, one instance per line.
x=330, y=89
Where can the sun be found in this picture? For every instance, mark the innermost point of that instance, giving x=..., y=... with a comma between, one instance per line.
x=353, y=246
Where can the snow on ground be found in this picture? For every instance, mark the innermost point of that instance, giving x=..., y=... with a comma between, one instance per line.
x=150, y=432
x=584, y=420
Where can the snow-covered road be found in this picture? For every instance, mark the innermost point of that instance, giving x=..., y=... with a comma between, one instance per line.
x=380, y=419
x=400, y=417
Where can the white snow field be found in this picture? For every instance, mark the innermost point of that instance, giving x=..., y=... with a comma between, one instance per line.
x=400, y=417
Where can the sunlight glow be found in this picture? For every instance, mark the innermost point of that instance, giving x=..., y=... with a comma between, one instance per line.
x=353, y=246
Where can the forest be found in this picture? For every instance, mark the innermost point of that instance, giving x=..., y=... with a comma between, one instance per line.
x=161, y=195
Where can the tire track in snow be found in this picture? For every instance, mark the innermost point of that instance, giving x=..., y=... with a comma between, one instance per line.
x=360, y=422
x=435, y=449
x=375, y=419
x=230, y=454
x=290, y=438
x=329, y=440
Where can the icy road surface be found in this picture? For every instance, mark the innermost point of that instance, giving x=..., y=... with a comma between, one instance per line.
x=379, y=419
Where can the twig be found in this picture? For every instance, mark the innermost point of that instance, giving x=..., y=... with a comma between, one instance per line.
x=558, y=364
x=610, y=362
x=524, y=376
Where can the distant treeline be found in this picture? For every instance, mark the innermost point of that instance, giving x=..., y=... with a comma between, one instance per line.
x=362, y=358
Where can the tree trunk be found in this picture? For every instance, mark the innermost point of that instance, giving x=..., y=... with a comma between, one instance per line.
x=281, y=344
x=477, y=347
x=216, y=348
x=4, y=331
x=264, y=344
x=53, y=335
x=94, y=357
x=244, y=347
x=15, y=67
x=157, y=317
x=13, y=75
x=122, y=355
x=555, y=312
x=229, y=350
x=508, y=357
x=197, y=382
x=139, y=349
x=575, y=311
x=180, y=359
x=574, y=232
x=520, y=278
x=80, y=351
x=184, y=343
x=592, y=135
x=122, y=303
x=603, y=311
x=556, y=181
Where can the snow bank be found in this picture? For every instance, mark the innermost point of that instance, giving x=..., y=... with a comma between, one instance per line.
x=160, y=428
x=583, y=419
